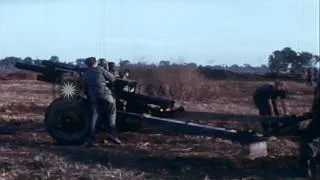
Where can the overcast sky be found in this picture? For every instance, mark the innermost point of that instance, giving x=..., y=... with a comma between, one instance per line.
x=202, y=31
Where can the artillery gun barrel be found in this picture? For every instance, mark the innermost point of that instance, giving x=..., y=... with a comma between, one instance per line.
x=62, y=66
x=31, y=67
x=47, y=73
x=48, y=67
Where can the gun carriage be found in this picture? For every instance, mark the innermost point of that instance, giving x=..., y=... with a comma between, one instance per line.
x=67, y=119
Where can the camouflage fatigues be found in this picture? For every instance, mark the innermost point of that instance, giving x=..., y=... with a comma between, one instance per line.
x=100, y=96
x=103, y=63
x=112, y=68
x=310, y=140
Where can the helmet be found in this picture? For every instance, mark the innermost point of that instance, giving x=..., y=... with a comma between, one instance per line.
x=90, y=61
x=112, y=67
x=103, y=63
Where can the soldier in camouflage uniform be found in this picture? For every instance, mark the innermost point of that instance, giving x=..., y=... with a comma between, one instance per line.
x=112, y=67
x=100, y=97
x=125, y=74
x=310, y=139
x=103, y=63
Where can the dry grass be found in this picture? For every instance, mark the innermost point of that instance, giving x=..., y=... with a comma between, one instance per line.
x=33, y=155
x=18, y=74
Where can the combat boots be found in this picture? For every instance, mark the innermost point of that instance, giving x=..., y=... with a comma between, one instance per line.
x=112, y=136
x=90, y=142
x=113, y=139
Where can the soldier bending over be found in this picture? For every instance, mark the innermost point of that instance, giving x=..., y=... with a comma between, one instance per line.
x=100, y=98
x=265, y=98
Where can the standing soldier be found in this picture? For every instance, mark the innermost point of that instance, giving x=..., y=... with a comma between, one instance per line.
x=315, y=75
x=125, y=74
x=100, y=98
x=310, y=140
x=103, y=63
x=112, y=67
x=265, y=98
x=309, y=77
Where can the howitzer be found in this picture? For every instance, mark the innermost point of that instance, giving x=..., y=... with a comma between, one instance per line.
x=56, y=72
x=70, y=108
x=68, y=121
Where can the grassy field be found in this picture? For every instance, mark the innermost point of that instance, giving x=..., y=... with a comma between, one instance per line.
x=33, y=155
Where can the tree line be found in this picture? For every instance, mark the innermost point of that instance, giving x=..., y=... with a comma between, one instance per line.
x=288, y=60
x=285, y=60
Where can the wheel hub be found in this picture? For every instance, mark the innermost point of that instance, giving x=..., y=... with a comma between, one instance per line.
x=70, y=122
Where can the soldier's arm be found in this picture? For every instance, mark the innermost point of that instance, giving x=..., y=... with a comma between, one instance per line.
x=109, y=76
x=275, y=107
x=284, y=106
x=271, y=106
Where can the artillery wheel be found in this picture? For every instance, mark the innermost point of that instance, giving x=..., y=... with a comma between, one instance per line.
x=67, y=122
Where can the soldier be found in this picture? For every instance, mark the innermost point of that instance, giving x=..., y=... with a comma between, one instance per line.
x=100, y=97
x=112, y=67
x=315, y=75
x=310, y=139
x=265, y=100
x=125, y=74
x=150, y=90
x=163, y=91
x=309, y=77
x=103, y=63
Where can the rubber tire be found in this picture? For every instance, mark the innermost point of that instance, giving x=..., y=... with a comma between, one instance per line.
x=51, y=117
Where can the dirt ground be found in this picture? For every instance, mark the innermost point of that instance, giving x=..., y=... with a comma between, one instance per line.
x=33, y=154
